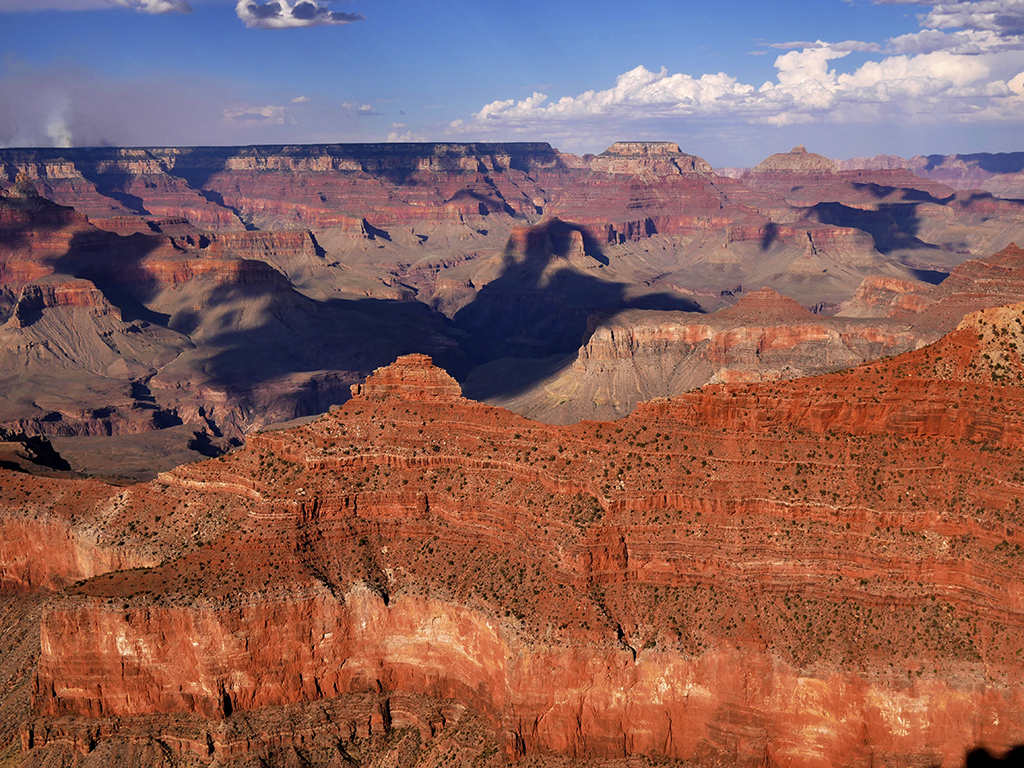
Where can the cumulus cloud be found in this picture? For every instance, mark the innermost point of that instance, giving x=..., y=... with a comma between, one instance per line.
x=1005, y=17
x=934, y=85
x=155, y=6
x=301, y=100
x=282, y=14
x=968, y=43
x=400, y=133
x=962, y=66
x=362, y=110
x=986, y=26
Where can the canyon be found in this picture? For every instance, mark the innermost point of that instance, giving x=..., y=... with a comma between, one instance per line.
x=1000, y=173
x=195, y=295
x=817, y=572
x=273, y=415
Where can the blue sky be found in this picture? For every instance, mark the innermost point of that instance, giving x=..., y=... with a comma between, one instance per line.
x=731, y=80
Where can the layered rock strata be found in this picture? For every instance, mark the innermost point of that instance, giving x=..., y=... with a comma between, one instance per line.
x=146, y=325
x=635, y=356
x=1001, y=173
x=820, y=572
x=264, y=281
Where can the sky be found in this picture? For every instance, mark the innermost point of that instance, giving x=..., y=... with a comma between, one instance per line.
x=732, y=81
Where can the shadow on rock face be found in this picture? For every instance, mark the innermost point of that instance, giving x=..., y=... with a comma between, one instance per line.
x=548, y=288
x=982, y=758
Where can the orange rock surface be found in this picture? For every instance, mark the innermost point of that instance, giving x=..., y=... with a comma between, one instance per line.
x=820, y=573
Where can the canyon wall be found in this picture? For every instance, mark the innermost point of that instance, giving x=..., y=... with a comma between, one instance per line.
x=819, y=572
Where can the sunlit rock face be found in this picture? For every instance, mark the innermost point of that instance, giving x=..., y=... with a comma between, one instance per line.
x=789, y=566
x=819, y=572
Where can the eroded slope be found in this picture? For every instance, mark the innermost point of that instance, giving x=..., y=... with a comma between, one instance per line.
x=822, y=571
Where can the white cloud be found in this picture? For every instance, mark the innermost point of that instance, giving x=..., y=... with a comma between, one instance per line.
x=362, y=110
x=301, y=100
x=282, y=14
x=986, y=26
x=1001, y=16
x=847, y=45
x=926, y=86
x=404, y=136
x=155, y=6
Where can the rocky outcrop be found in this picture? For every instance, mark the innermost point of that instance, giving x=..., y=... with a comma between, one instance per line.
x=412, y=378
x=33, y=231
x=22, y=452
x=797, y=160
x=636, y=356
x=662, y=158
x=53, y=291
x=820, y=572
x=881, y=296
x=804, y=178
x=1001, y=173
x=974, y=285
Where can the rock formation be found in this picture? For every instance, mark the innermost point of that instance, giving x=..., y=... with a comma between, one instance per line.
x=634, y=356
x=244, y=286
x=153, y=324
x=806, y=178
x=1001, y=173
x=797, y=160
x=936, y=310
x=821, y=572
x=662, y=158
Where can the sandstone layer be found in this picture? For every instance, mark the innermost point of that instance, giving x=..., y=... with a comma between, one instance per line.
x=820, y=572
x=1001, y=173
x=632, y=356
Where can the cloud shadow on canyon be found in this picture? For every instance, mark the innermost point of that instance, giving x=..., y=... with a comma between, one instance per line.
x=121, y=276
x=550, y=284
x=542, y=308
x=255, y=337
x=893, y=226
x=256, y=332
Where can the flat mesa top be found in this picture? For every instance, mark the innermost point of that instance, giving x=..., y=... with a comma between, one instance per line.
x=644, y=148
x=797, y=159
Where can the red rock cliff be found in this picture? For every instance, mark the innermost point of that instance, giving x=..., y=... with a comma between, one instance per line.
x=819, y=573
